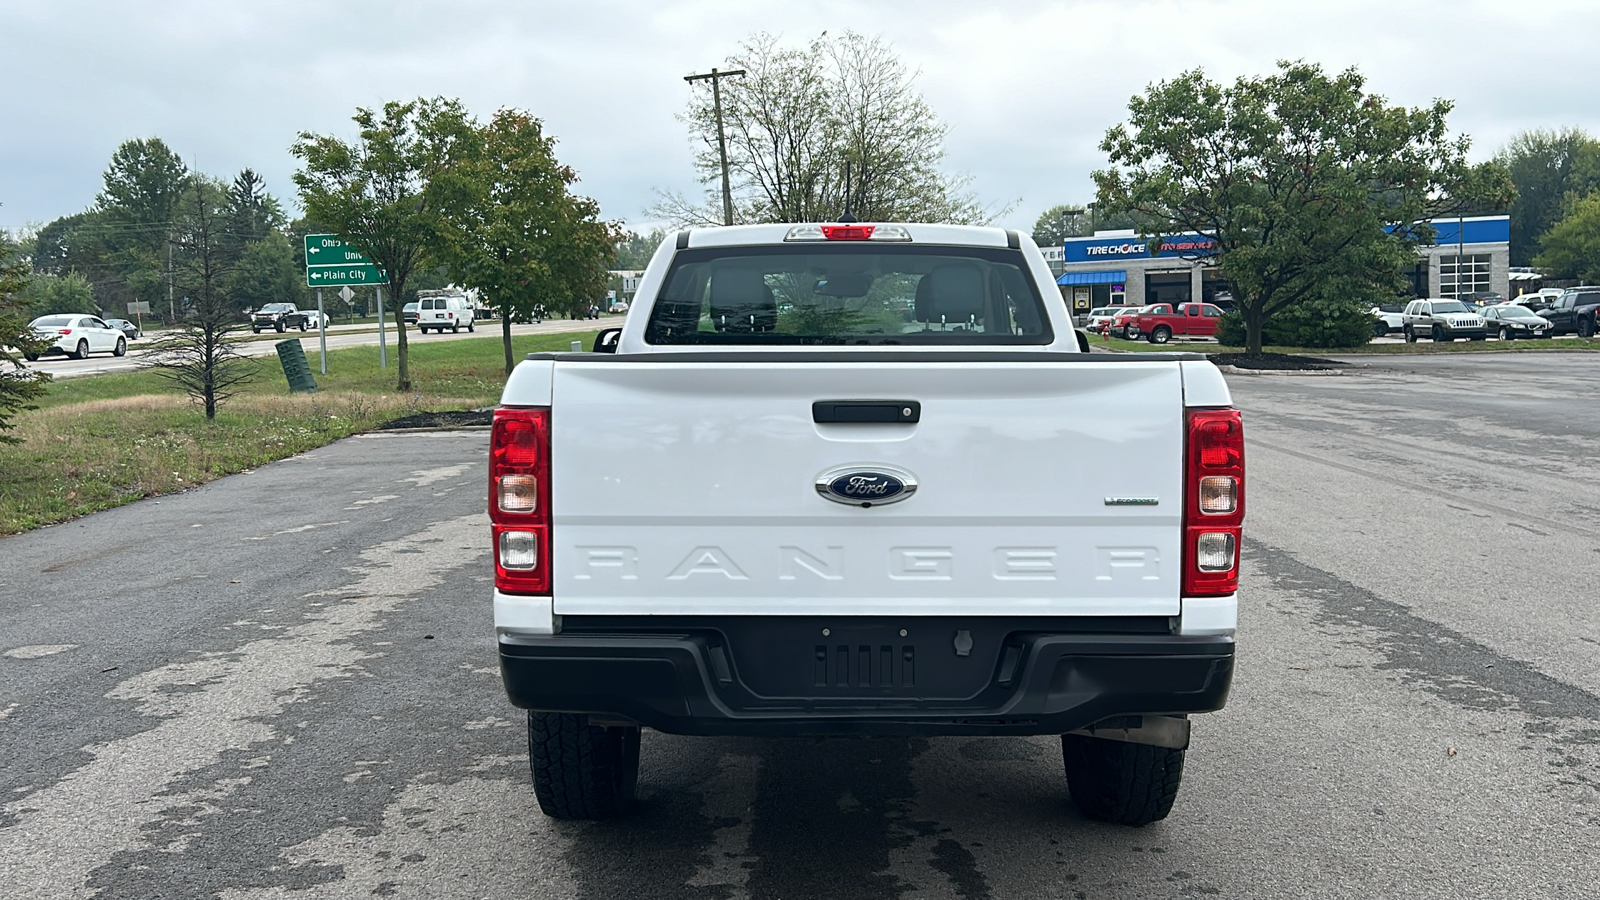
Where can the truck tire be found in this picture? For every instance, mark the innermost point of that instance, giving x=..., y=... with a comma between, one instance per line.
x=469, y=327
x=1411, y=336
x=1439, y=336
x=302, y=325
x=1585, y=328
x=279, y=327
x=581, y=771
x=1161, y=335
x=1121, y=783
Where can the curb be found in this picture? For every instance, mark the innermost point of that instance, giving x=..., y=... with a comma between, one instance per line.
x=1235, y=370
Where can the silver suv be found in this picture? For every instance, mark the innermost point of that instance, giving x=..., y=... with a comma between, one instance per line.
x=1441, y=320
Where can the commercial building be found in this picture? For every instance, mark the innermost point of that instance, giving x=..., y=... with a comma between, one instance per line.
x=1471, y=255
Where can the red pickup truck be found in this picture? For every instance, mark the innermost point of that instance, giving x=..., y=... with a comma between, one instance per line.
x=1160, y=322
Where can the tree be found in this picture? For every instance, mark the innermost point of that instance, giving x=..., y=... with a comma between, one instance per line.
x=265, y=273
x=200, y=355
x=375, y=193
x=1061, y=222
x=43, y=295
x=19, y=385
x=251, y=213
x=810, y=131
x=634, y=250
x=513, y=230
x=1572, y=248
x=143, y=187
x=1551, y=169
x=1299, y=178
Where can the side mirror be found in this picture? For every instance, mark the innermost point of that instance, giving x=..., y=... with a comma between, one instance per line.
x=606, y=340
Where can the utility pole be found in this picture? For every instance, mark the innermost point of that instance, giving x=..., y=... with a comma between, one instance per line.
x=722, y=142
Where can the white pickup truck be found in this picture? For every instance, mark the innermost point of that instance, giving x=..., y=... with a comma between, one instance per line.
x=852, y=479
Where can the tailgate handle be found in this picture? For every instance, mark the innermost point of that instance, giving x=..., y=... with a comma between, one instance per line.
x=841, y=412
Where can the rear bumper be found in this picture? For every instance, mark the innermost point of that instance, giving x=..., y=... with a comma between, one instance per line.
x=783, y=677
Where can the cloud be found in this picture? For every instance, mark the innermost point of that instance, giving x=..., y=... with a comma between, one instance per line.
x=1027, y=88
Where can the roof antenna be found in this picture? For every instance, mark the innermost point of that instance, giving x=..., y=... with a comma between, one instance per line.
x=846, y=217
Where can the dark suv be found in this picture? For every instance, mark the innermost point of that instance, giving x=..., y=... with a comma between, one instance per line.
x=1574, y=311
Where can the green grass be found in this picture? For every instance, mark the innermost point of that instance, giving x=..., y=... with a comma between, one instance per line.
x=101, y=441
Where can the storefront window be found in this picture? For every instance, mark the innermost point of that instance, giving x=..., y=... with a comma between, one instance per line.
x=1462, y=275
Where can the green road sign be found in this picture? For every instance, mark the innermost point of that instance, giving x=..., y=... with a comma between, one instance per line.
x=335, y=276
x=330, y=262
x=329, y=250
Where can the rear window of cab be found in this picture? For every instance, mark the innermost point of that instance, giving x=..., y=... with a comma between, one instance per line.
x=810, y=294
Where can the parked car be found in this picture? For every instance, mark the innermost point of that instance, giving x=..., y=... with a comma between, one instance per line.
x=1164, y=322
x=1510, y=321
x=409, y=313
x=1387, y=317
x=1099, y=318
x=1543, y=298
x=1125, y=324
x=1574, y=311
x=1442, y=321
x=78, y=336
x=129, y=330
x=314, y=319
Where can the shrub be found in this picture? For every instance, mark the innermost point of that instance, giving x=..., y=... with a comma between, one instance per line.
x=1322, y=323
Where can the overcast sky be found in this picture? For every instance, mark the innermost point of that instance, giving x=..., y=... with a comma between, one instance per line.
x=1027, y=89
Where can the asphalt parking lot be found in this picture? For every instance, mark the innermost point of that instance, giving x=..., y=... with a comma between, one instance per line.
x=247, y=692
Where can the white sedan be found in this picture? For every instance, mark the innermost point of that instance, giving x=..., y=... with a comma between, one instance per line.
x=315, y=319
x=78, y=336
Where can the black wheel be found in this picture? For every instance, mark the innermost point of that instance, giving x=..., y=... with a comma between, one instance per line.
x=1121, y=783
x=1505, y=334
x=121, y=348
x=280, y=327
x=1439, y=336
x=302, y=325
x=1585, y=328
x=581, y=771
x=1161, y=335
x=1411, y=336
x=30, y=357
x=455, y=329
x=469, y=327
x=82, y=350
x=1379, y=329
x=255, y=331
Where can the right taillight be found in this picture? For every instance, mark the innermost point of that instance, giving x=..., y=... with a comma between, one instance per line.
x=519, y=499
x=1213, y=503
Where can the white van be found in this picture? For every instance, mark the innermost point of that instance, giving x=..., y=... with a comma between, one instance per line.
x=439, y=313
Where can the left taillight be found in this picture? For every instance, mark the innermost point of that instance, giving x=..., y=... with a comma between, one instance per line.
x=1213, y=502
x=519, y=499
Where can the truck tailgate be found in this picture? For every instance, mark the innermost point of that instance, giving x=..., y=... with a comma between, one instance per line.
x=689, y=488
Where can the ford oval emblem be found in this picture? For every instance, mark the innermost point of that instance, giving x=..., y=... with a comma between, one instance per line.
x=866, y=485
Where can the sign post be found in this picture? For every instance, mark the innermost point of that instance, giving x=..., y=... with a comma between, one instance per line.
x=383, y=344
x=322, y=332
